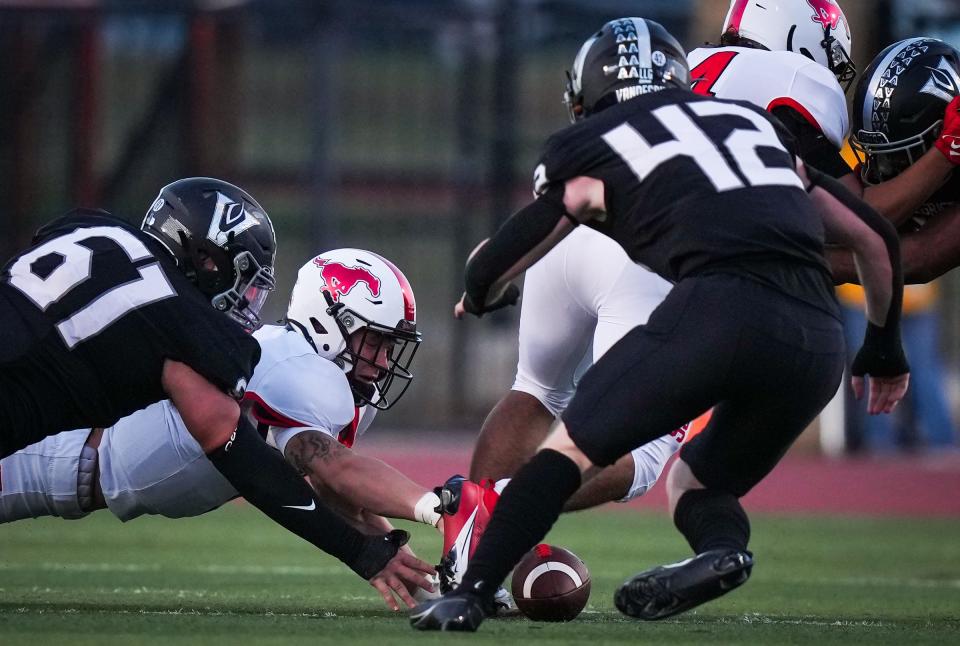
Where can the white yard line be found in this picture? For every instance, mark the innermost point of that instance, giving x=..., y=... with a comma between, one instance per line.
x=279, y=570
x=755, y=618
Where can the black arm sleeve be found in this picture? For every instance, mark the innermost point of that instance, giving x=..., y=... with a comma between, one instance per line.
x=525, y=229
x=812, y=145
x=270, y=484
x=882, y=353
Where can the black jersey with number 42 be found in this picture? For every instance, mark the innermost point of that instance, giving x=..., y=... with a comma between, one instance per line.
x=696, y=185
x=90, y=313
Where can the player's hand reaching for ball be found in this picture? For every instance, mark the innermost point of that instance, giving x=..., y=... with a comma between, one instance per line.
x=402, y=573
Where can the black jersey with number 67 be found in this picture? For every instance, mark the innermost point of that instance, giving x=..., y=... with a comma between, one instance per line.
x=89, y=314
x=696, y=185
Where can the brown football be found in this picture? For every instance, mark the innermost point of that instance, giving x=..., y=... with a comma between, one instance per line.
x=551, y=584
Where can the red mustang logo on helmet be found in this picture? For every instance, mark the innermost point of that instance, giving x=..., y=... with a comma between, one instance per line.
x=340, y=279
x=826, y=12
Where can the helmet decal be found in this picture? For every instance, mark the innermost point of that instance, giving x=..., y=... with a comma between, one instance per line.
x=877, y=111
x=827, y=13
x=229, y=217
x=944, y=81
x=631, y=34
x=340, y=279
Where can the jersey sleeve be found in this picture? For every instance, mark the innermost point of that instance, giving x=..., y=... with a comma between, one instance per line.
x=813, y=147
x=302, y=391
x=816, y=94
x=279, y=437
x=569, y=153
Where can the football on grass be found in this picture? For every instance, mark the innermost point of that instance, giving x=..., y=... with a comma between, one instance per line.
x=551, y=584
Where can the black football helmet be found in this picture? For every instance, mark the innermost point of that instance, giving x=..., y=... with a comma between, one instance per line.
x=628, y=57
x=899, y=103
x=222, y=240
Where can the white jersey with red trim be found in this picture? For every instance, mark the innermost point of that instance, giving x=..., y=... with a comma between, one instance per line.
x=770, y=79
x=293, y=387
x=150, y=464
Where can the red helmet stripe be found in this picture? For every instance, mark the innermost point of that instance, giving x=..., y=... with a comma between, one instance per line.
x=736, y=14
x=409, y=303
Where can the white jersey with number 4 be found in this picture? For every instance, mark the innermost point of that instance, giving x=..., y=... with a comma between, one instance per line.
x=771, y=79
x=150, y=464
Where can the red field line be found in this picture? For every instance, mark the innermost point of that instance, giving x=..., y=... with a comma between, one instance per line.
x=910, y=486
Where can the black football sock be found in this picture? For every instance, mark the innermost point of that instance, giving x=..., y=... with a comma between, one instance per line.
x=261, y=475
x=524, y=514
x=711, y=520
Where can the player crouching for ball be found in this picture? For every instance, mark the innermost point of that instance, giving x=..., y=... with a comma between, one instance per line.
x=342, y=355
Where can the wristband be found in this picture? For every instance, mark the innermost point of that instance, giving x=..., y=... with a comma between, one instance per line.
x=425, y=511
x=881, y=354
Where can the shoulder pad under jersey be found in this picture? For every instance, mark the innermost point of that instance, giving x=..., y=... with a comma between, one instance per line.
x=771, y=79
x=294, y=386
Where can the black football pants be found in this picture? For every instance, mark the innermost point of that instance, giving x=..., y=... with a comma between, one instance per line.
x=767, y=363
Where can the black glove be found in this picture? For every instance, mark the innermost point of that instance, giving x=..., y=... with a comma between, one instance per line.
x=509, y=295
x=377, y=552
x=881, y=355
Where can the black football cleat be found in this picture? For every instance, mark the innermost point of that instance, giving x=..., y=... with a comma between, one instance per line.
x=457, y=610
x=667, y=590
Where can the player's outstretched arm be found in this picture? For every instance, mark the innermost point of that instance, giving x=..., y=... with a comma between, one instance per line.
x=925, y=254
x=523, y=239
x=261, y=476
x=876, y=249
x=360, y=481
x=372, y=524
x=933, y=250
x=899, y=198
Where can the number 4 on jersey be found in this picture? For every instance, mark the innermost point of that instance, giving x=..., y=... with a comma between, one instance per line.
x=705, y=75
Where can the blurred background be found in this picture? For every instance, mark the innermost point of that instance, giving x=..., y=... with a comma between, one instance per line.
x=407, y=127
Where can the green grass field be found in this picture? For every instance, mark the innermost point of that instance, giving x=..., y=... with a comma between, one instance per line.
x=230, y=577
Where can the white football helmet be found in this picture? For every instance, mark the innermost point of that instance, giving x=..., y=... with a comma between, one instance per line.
x=344, y=291
x=815, y=28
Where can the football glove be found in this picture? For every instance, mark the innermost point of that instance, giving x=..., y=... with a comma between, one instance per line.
x=377, y=551
x=948, y=142
x=509, y=295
